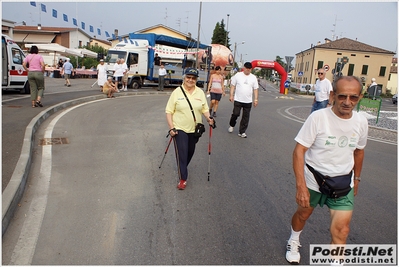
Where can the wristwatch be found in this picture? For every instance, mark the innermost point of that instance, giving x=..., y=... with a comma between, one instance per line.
x=357, y=179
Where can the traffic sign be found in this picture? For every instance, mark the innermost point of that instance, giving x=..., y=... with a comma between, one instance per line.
x=287, y=84
x=326, y=67
x=300, y=73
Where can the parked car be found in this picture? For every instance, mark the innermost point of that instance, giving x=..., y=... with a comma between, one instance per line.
x=395, y=99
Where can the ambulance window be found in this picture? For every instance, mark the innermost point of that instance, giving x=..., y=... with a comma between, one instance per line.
x=16, y=56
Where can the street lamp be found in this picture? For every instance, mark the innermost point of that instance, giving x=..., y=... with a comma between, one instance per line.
x=39, y=26
x=235, y=50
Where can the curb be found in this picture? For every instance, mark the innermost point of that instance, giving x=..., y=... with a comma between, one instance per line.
x=15, y=189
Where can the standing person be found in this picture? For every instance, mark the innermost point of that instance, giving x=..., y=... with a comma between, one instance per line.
x=323, y=88
x=181, y=121
x=68, y=71
x=332, y=141
x=101, y=74
x=161, y=77
x=125, y=74
x=373, y=82
x=118, y=73
x=109, y=88
x=157, y=60
x=216, y=89
x=35, y=75
x=60, y=63
x=243, y=86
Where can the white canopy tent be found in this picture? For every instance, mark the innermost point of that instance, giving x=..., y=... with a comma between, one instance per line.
x=56, y=49
x=86, y=53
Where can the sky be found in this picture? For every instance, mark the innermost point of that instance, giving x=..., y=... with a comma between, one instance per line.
x=268, y=29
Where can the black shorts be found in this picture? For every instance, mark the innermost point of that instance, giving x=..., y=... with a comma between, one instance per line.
x=215, y=96
x=118, y=79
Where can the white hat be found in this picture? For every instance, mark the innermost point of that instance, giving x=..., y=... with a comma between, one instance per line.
x=68, y=59
x=373, y=79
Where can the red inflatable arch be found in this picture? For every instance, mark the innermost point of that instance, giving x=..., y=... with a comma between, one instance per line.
x=267, y=64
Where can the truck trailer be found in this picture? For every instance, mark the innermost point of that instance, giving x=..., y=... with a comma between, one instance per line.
x=139, y=51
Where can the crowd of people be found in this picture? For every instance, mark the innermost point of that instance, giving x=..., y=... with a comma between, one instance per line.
x=329, y=145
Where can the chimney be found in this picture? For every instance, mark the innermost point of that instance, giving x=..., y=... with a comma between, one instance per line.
x=116, y=32
x=318, y=43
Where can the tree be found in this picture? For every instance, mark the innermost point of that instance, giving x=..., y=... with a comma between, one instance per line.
x=219, y=35
x=280, y=61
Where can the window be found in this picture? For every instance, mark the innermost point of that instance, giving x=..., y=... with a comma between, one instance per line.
x=353, y=55
x=320, y=64
x=366, y=56
x=340, y=54
x=365, y=69
x=350, y=69
x=382, y=71
x=17, y=58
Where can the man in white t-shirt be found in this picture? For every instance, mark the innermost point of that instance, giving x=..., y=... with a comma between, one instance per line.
x=161, y=77
x=118, y=73
x=244, y=85
x=322, y=91
x=332, y=142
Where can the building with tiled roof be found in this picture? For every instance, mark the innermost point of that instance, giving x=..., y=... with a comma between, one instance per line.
x=363, y=60
x=392, y=85
x=66, y=36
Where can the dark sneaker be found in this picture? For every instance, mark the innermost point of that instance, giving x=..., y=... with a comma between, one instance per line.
x=182, y=185
x=292, y=255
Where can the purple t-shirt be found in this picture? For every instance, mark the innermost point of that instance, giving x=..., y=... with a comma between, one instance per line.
x=35, y=61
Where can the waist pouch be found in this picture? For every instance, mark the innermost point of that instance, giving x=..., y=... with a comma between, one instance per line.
x=334, y=187
x=199, y=130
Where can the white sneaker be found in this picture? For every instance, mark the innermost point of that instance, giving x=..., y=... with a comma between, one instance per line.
x=292, y=255
x=231, y=129
x=125, y=89
x=243, y=135
x=117, y=90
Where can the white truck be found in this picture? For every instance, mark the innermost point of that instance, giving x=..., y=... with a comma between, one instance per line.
x=139, y=51
x=14, y=76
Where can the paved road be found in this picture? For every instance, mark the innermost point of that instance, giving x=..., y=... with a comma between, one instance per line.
x=101, y=198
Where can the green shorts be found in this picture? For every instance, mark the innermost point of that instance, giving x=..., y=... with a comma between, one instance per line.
x=342, y=203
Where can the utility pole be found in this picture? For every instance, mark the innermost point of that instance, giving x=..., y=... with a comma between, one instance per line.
x=227, y=30
x=198, y=39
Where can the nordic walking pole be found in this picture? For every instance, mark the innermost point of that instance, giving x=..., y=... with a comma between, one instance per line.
x=94, y=83
x=210, y=146
x=166, y=151
x=209, y=152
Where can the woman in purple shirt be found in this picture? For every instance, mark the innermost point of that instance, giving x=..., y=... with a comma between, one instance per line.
x=35, y=75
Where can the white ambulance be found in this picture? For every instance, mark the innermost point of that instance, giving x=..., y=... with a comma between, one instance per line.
x=14, y=76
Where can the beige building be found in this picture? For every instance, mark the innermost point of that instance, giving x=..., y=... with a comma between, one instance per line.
x=364, y=61
x=392, y=85
x=65, y=36
x=156, y=29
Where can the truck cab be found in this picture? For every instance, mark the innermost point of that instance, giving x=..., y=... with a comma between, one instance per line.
x=14, y=76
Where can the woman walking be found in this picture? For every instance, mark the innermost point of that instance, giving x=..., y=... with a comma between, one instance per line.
x=182, y=123
x=216, y=89
x=34, y=65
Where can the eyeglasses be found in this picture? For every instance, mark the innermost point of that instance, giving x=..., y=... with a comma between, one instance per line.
x=191, y=78
x=320, y=73
x=352, y=98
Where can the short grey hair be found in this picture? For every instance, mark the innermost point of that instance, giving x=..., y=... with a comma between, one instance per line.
x=348, y=78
